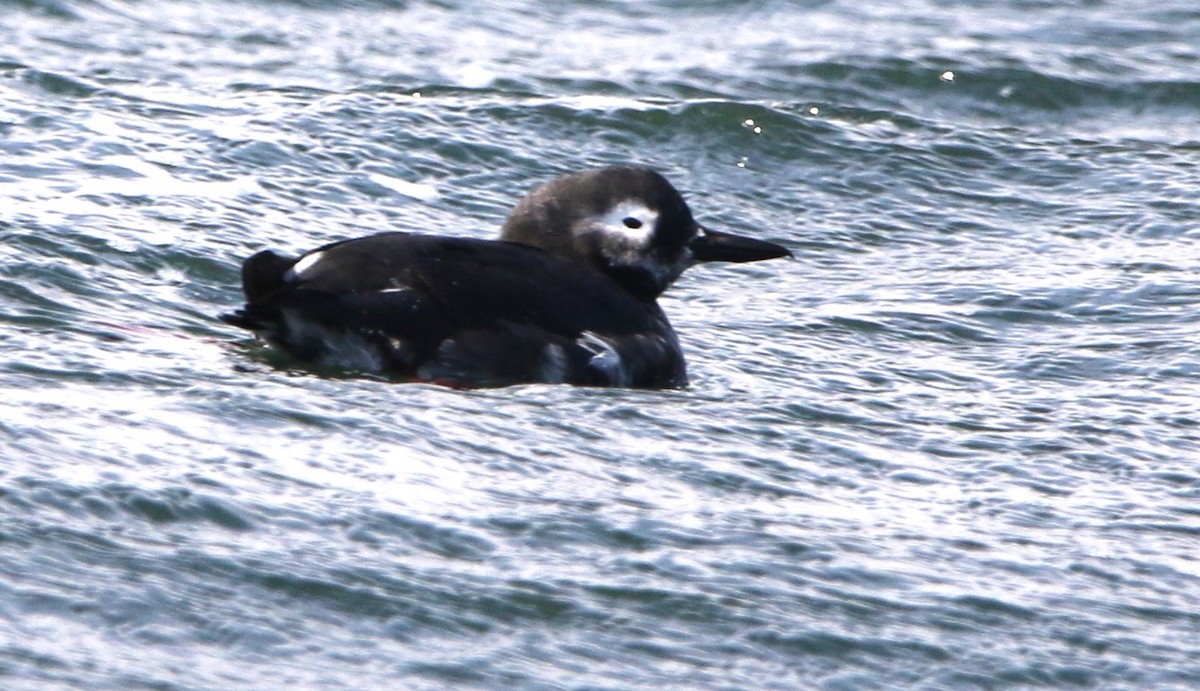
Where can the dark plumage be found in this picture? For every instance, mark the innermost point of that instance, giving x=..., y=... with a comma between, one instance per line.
x=566, y=296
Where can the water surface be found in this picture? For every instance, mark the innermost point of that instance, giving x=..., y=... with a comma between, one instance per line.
x=953, y=444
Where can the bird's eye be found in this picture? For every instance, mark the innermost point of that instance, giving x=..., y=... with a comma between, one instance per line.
x=631, y=222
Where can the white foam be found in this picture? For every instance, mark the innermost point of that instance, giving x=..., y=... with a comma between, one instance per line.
x=416, y=190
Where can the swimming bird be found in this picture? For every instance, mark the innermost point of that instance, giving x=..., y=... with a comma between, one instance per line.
x=566, y=295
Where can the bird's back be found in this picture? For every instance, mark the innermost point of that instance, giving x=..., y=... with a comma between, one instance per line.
x=459, y=311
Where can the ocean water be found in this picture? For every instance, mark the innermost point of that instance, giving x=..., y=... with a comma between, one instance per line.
x=954, y=444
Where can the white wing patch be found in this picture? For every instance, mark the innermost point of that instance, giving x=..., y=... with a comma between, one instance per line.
x=306, y=262
x=604, y=358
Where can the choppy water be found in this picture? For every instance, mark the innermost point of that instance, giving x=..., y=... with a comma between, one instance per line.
x=954, y=444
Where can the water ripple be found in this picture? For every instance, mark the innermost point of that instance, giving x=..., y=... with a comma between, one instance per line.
x=951, y=444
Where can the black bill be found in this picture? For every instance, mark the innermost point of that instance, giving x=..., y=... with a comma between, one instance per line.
x=713, y=246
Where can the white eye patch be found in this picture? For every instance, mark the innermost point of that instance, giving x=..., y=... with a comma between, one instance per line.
x=631, y=219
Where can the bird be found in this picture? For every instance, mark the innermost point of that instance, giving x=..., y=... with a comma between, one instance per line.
x=567, y=295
